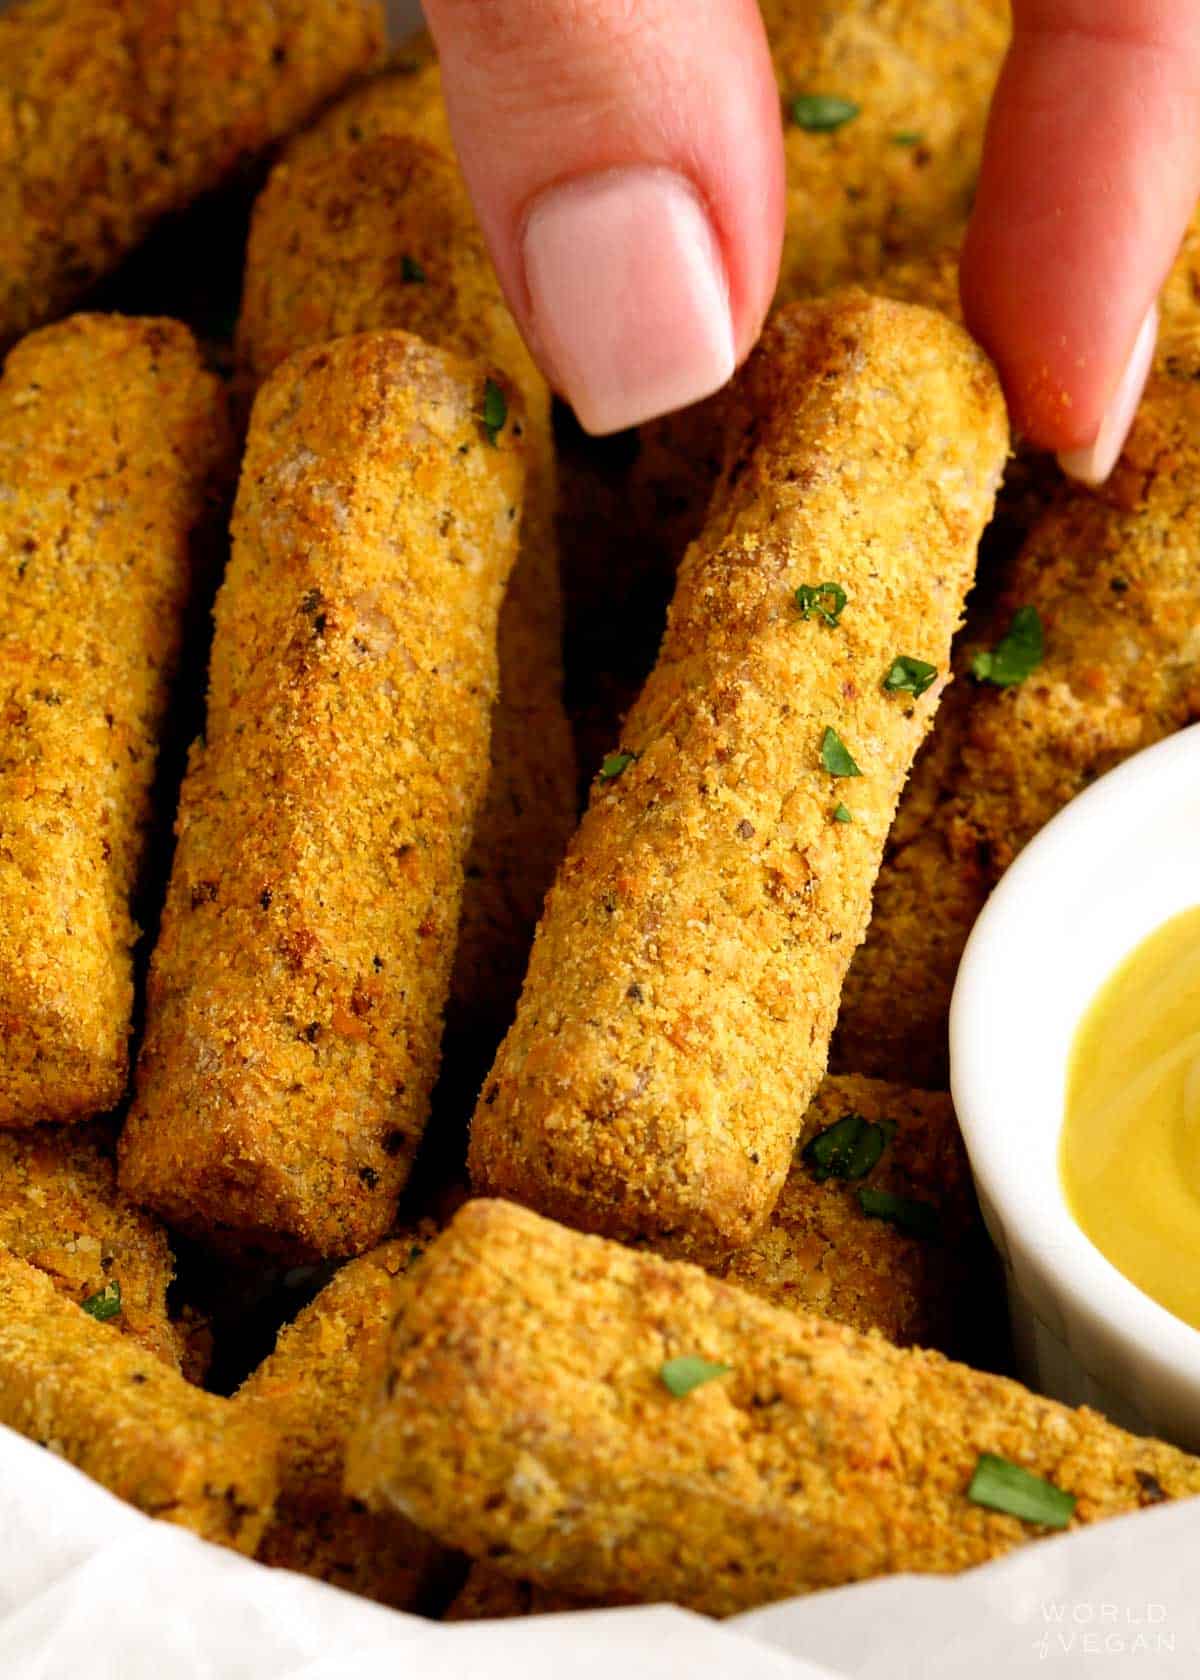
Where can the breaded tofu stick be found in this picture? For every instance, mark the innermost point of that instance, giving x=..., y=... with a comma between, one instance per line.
x=889, y=169
x=61, y=1210
x=931, y=886
x=295, y=1001
x=877, y=1221
x=404, y=97
x=488, y=1596
x=120, y=1416
x=685, y=978
x=113, y=112
x=114, y=454
x=551, y=1404
x=882, y=175
x=310, y=1392
x=1114, y=575
x=369, y=225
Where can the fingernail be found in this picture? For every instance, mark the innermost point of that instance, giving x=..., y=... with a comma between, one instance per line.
x=630, y=296
x=1093, y=464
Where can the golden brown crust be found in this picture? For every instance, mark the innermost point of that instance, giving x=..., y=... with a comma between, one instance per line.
x=296, y=992
x=123, y=1418
x=61, y=1211
x=1113, y=574
x=524, y=1418
x=488, y=1596
x=309, y=1393
x=113, y=112
x=821, y=1253
x=114, y=454
x=366, y=223
x=685, y=976
x=898, y=178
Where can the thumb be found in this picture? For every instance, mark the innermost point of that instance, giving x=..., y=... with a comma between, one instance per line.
x=626, y=162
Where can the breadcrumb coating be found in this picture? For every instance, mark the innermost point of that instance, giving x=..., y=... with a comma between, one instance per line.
x=366, y=223
x=488, y=1596
x=885, y=189
x=899, y=175
x=524, y=1417
x=114, y=456
x=294, y=1009
x=310, y=1392
x=61, y=1210
x=1115, y=577
x=685, y=977
x=113, y=112
x=118, y=1414
x=821, y=1253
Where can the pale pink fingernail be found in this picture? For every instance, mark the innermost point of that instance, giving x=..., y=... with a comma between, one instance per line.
x=1093, y=464
x=630, y=296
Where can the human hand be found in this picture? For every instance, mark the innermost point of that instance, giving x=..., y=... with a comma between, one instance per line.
x=626, y=160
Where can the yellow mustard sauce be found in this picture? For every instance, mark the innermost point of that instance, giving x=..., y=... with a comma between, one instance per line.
x=1129, y=1157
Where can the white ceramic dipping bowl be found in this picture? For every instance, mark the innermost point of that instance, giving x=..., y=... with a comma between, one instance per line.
x=1119, y=861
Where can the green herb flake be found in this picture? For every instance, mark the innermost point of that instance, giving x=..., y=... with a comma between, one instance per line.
x=1002, y=1486
x=908, y=137
x=495, y=411
x=840, y=814
x=827, y=600
x=835, y=757
x=616, y=765
x=1016, y=655
x=413, y=274
x=106, y=1303
x=689, y=1371
x=849, y=1148
x=910, y=676
x=915, y=1219
x=821, y=113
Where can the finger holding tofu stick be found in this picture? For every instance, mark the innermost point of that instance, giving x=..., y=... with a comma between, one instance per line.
x=295, y=999
x=599, y=1420
x=685, y=977
x=115, y=454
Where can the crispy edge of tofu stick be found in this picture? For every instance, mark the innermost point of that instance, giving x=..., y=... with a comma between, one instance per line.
x=685, y=977
x=542, y=1407
x=123, y=1418
x=294, y=1010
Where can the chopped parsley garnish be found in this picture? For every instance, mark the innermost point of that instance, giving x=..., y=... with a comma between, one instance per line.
x=840, y=814
x=849, y=1148
x=821, y=113
x=907, y=137
x=835, y=757
x=689, y=1371
x=1002, y=1486
x=616, y=765
x=106, y=1303
x=915, y=1219
x=412, y=273
x=1018, y=652
x=827, y=600
x=910, y=676
x=495, y=410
